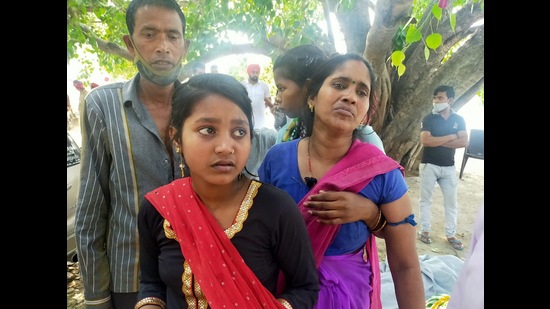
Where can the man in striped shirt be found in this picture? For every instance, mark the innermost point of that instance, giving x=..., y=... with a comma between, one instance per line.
x=127, y=153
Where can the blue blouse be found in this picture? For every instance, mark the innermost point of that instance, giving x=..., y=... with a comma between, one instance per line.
x=280, y=168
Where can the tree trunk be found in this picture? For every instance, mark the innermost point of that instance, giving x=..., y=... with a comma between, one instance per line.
x=403, y=101
x=354, y=23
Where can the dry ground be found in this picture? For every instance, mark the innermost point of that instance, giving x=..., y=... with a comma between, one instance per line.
x=470, y=198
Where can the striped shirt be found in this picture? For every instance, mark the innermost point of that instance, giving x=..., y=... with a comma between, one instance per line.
x=124, y=157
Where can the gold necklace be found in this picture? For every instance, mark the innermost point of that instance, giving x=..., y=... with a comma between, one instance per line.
x=310, y=181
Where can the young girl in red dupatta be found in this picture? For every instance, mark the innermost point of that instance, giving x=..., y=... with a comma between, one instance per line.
x=216, y=238
x=348, y=190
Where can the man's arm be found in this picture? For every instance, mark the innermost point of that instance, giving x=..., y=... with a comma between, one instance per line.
x=268, y=103
x=267, y=97
x=460, y=142
x=428, y=140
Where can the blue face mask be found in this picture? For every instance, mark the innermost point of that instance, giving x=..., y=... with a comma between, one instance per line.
x=161, y=78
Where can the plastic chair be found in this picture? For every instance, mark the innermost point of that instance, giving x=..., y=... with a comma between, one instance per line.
x=475, y=148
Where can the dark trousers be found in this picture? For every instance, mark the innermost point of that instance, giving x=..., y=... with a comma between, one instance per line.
x=124, y=300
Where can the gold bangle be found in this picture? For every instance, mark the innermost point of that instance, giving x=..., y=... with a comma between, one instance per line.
x=285, y=303
x=150, y=301
x=377, y=221
x=381, y=226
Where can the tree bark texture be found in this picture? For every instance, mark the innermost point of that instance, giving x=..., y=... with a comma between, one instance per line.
x=403, y=101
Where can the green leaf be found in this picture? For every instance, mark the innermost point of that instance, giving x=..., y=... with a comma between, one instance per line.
x=437, y=11
x=434, y=40
x=401, y=70
x=397, y=58
x=413, y=35
x=426, y=53
x=452, y=21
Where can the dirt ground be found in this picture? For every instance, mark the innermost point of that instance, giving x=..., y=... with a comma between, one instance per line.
x=470, y=198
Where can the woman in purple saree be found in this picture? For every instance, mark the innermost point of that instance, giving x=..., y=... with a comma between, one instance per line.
x=360, y=191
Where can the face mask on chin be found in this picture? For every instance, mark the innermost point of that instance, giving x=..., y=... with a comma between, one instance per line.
x=161, y=78
x=438, y=107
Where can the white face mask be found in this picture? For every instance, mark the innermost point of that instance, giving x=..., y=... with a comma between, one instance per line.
x=439, y=107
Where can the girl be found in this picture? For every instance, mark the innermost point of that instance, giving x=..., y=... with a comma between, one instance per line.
x=216, y=238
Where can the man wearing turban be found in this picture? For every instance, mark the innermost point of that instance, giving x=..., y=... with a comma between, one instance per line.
x=259, y=94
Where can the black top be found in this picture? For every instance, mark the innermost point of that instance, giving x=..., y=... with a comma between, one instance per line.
x=438, y=126
x=273, y=237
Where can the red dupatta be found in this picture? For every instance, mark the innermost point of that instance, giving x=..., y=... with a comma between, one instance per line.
x=352, y=173
x=225, y=279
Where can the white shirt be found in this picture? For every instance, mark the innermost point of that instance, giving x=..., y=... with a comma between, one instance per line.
x=257, y=92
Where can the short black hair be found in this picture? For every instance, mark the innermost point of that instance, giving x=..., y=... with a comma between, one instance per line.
x=136, y=4
x=449, y=90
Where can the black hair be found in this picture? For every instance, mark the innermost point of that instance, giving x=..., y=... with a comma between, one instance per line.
x=449, y=91
x=299, y=63
x=136, y=4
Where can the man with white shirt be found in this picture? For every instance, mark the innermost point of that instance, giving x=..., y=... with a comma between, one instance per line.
x=259, y=94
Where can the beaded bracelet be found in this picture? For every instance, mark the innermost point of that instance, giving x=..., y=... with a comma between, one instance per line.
x=150, y=301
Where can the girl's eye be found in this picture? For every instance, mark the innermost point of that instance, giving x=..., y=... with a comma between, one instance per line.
x=206, y=131
x=240, y=132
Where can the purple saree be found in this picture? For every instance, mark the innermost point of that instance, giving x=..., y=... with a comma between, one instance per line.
x=352, y=173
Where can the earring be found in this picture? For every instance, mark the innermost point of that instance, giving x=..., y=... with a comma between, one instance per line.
x=182, y=168
x=310, y=107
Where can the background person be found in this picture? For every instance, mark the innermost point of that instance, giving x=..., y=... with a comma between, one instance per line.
x=258, y=92
x=441, y=133
x=469, y=289
x=82, y=96
x=71, y=116
x=263, y=139
x=338, y=181
x=198, y=68
x=127, y=153
x=217, y=236
x=291, y=71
